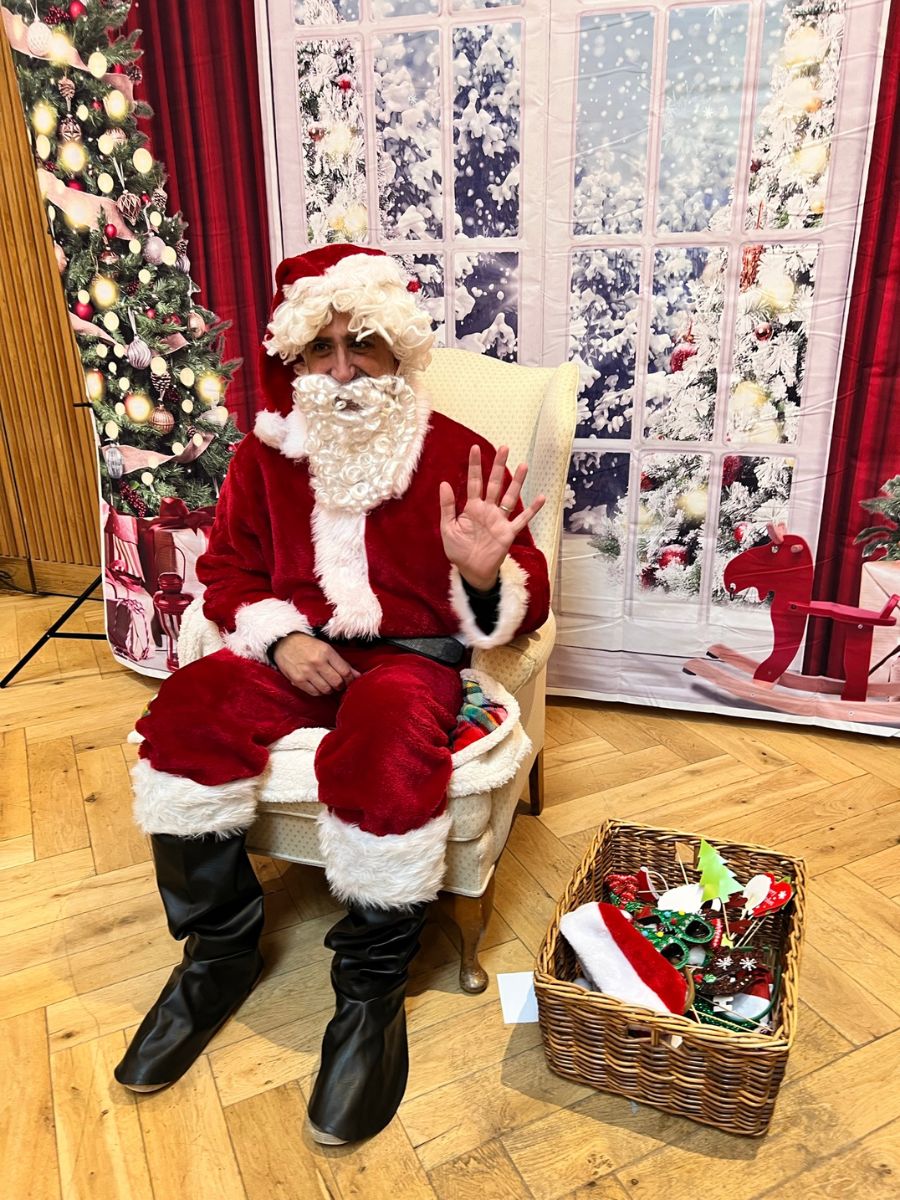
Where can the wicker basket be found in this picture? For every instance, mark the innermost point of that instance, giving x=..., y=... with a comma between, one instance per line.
x=722, y=1077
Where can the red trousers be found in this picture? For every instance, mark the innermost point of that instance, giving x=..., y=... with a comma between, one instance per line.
x=384, y=767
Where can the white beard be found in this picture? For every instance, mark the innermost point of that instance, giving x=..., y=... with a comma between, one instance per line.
x=360, y=438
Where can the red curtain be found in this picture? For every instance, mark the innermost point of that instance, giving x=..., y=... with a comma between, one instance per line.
x=201, y=79
x=865, y=445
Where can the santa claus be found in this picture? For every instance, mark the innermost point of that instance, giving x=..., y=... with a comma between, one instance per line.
x=357, y=553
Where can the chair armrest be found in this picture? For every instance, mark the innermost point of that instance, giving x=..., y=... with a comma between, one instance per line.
x=519, y=660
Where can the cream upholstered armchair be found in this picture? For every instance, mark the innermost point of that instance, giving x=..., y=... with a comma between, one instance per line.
x=532, y=410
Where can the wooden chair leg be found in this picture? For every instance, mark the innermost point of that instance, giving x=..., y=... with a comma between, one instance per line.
x=536, y=785
x=471, y=914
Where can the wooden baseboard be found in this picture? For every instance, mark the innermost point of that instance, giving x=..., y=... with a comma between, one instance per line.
x=63, y=579
x=15, y=573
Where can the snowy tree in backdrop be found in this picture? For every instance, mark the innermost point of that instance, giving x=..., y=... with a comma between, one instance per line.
x=787, y=171
x=331, y=129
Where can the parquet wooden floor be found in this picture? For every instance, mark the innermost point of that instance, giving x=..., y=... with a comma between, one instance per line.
x=84, y=951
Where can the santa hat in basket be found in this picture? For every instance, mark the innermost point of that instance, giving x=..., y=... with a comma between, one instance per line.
x=366, y=283
x=619, y=961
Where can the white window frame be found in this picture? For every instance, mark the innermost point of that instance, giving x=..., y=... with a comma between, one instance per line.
x=651, y=624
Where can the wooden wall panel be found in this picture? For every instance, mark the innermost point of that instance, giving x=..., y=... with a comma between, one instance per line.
x=48, y=490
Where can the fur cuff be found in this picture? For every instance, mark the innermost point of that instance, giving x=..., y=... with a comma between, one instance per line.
x=383, y=872
x=165, y=803
x=258, y=625
x=513, y=606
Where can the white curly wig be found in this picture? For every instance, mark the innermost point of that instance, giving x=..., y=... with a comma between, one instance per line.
x=373, y=290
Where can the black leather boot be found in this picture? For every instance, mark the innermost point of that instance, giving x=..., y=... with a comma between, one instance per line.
x=213, y=898
x=365, y=1060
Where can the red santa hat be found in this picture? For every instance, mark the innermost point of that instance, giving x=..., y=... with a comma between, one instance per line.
x=366, y=283
x=619, y=961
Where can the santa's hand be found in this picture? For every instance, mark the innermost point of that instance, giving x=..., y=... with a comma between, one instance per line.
x=478, y=539
x=312, y=666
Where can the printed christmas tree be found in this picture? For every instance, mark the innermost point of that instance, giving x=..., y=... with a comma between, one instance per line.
x=788, y=176
x=152, y=358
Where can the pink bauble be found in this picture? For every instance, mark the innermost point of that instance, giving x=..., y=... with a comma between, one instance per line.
x=150, y=314
x=139, y=354
x=84, y=311
x=76, y=185
x=109, y=230
x=154, y=248
x=76, y=10
x=763, y=331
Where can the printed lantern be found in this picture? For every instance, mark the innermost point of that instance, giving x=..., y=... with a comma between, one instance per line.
x=170, y=603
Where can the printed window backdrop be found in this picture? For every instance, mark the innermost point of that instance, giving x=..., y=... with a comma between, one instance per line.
x=679, y=184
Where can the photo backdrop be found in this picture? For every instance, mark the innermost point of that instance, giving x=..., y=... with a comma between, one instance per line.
x=669, y=195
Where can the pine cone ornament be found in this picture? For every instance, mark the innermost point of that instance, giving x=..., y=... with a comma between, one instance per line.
x=131, y=287
x=69, y=129
x=158, y=198
x=182, y=245
x=162, y=380
x=66, y=87
x=134, y=72
x=129, y=205
x=118, y=135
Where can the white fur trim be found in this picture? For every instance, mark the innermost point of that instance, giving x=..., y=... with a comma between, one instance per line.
x=383, y=872
x=290, y=777
x=608, y=969
x=198, y=635
x=287, y=434
x=342, y=567
x=165, y=803
x=259, y=624
x=512, y=608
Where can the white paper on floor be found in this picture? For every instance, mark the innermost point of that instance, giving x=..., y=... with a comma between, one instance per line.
x=517, y=998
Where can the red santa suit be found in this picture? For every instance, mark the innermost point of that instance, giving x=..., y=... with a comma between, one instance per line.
x=281, y=561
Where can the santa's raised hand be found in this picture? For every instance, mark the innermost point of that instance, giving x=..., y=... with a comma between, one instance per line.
x=478, y=539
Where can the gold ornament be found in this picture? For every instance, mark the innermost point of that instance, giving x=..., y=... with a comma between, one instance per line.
x=97, y=65
x=101, y=350
x=43, y=147
x=747, y=397
x=111, y=321
x=147, y=479
x=116, y=105
x=693, y=503
x=817, y=202
x=776, y=290
x=105, y=143
x=209, y=388
x=187, y=406
x=158, y=365
x=138, y=407
x=144, y=275
x=155, y=220
x=104, y=291
x=120, y=409
x=95, y=385
x=43, y=118
x=812, y=159
x=177, y=448
x=170, y=256
x=187, y=377
x=143, y=160
x=83, y=296
x=197, y=439
x=105, y=182
x=81, y=112
x=134, y=246
x=804, y=46
x=111, y=429
x=60, y=49
x=72, y=157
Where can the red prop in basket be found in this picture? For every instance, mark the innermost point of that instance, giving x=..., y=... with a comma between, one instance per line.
x=780, y=894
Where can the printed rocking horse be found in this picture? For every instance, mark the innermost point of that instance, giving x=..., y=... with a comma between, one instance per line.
x=784, y=566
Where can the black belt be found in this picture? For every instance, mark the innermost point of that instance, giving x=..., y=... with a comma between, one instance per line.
x=447, y=650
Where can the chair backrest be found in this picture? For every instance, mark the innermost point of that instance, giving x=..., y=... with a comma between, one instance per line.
x=530, y=409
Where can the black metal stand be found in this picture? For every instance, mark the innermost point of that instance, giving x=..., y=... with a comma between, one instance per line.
x=53, y=632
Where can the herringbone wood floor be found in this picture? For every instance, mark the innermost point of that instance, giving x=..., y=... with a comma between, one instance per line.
x=84, y=951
